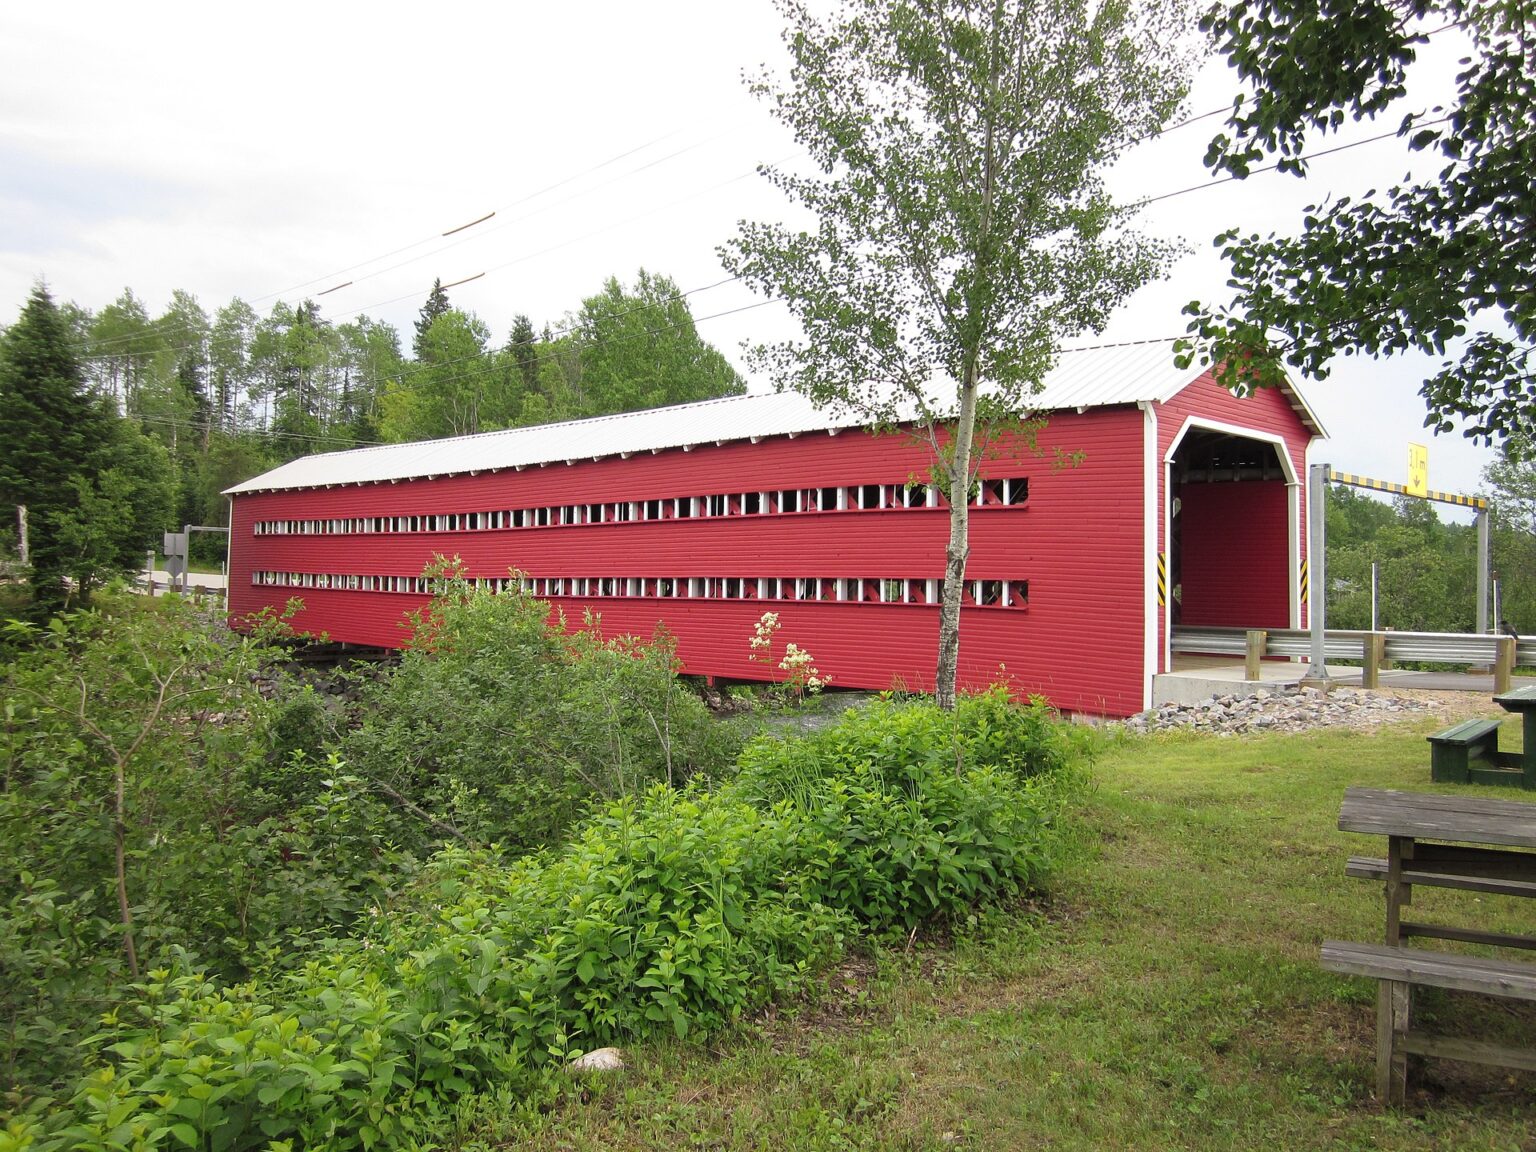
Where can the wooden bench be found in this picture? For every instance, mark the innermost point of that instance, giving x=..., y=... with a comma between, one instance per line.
x=1401, y=970
x=1463, y=751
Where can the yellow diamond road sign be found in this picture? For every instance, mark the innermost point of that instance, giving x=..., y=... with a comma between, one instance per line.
x=1418, y=470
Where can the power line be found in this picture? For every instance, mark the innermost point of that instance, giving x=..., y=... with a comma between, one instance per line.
x=1228, y=108
x=129, y=338
x=500, y=208
x=568, y=241
x=153, y=325
x=1120, y=344
x=498, y=267
x=132, y=337
x=420, y=293
x=1292, y=159
x=585, y=192
x=725, y=183
x=1137, y=204
x=210, y=426
x=1165, y=196
x=509, y=223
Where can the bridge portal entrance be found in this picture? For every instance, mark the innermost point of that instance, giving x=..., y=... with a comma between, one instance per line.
x=1233, y=508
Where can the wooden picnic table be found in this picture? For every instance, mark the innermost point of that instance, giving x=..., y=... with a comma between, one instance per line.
x=1456, y=842
x=1523, y=701
x=1468, y=752
x=1422, y=816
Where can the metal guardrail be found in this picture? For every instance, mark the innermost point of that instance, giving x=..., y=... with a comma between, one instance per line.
x=159, y=587
x=1436, y=647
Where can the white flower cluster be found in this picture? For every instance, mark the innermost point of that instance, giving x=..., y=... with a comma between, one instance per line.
x=803, y=675
x=762, y=636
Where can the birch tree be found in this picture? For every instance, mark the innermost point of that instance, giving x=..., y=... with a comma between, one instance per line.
x=962, y=226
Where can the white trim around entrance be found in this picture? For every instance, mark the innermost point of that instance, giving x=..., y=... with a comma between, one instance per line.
x=1192, y=422
x=1294, y=522
x=1152, y=499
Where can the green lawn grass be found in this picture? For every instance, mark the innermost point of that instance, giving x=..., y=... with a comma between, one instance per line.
x=1165, y=995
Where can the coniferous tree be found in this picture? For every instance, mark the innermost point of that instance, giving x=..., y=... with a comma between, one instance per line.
x=50, y=430
x=436, y=305
x=194, y=395
x=522, y=343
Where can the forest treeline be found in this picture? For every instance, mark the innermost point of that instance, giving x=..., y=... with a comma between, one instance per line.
x=231, y=392
x=120, y=423
x=1426, y=568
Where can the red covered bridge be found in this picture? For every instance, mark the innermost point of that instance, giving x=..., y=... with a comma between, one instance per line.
x=1188, y=504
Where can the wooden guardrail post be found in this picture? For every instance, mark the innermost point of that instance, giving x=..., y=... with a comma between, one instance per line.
x=1257, y=640
x=1504, y=664
x=1372, y=658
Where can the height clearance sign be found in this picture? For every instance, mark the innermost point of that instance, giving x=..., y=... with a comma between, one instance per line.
x=1418, y=470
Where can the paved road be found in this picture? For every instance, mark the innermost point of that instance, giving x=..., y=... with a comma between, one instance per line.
x=208, y=580
x=1437, y=681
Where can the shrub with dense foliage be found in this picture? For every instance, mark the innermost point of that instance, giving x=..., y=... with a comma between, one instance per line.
x=925, y=810
x=672, y=911
x=501, y=727
x=132, y=739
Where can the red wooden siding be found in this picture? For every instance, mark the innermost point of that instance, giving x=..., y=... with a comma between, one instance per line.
x=1077, y=541
x=1235, y=570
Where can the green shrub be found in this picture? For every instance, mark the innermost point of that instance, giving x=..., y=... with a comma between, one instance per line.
x=56, y=976
x=926, y=811
x=501, y=727
x=674, y=911
x=132, y=733
x=1023, y=740
x=300, y=727
x=984, y=731
x=669, y=911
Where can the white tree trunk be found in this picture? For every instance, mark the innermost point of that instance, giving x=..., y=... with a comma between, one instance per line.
x=959, y=549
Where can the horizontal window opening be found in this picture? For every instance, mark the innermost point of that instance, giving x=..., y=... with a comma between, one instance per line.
x=885, y=590
x=998, y=492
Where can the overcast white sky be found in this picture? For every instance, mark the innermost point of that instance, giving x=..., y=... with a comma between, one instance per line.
x=282, y=149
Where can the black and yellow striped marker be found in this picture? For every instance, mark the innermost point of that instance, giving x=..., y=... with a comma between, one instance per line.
x=1304, y=582
x=1162, y=580
x=1354, y=481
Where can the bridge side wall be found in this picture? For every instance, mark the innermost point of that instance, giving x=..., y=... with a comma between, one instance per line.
x=1074, y=545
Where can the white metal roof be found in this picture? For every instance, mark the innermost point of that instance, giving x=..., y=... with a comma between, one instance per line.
x=1088, y=379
